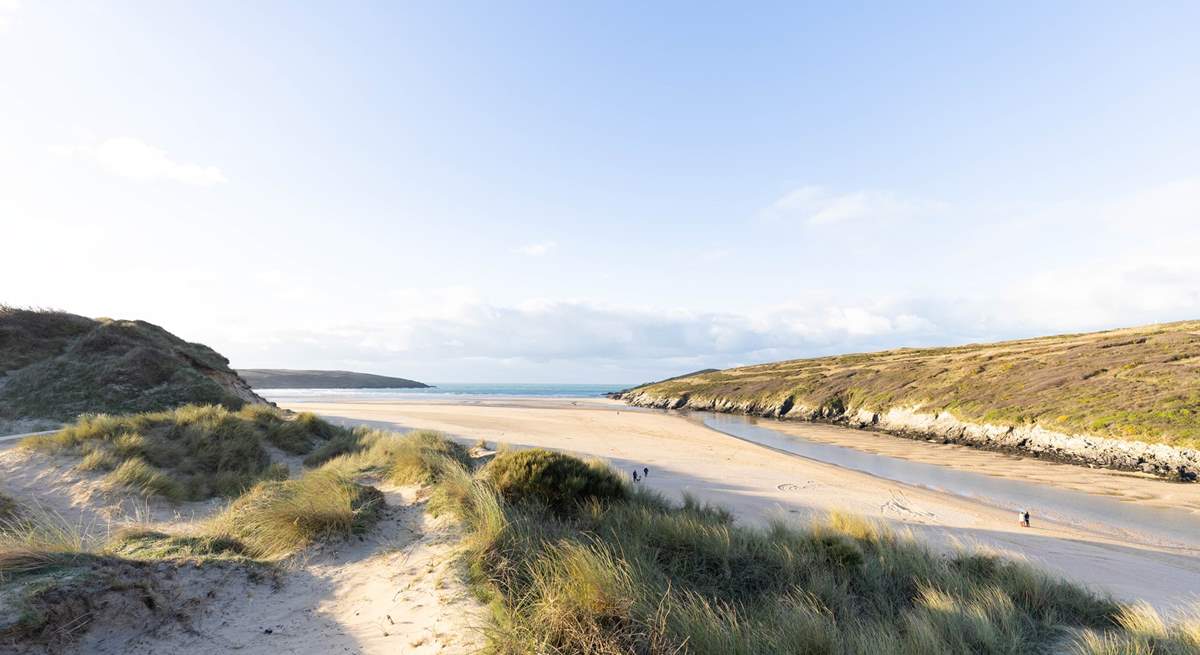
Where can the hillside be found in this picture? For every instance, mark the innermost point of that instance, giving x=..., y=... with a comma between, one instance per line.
x=281, y=378
x=1126, y=398
x=55, y=365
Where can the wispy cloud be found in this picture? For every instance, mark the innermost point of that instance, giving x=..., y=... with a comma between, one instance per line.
x=133, y=158
x=536, y=249
x=816, y=205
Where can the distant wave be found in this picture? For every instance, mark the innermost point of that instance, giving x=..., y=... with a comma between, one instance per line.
x=497, y=390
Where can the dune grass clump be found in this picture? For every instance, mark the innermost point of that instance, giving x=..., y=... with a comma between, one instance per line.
x=154, y=545
x=1140, y=630
x=558, y=481
x=36, y=538
x=634, y=573
x=190, y=453
x=411, y=458
x=276, y=519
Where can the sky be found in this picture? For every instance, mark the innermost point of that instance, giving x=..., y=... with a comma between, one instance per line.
x=598, y=192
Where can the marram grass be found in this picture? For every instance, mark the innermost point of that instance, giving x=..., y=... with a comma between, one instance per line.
x=638, y=574
x=190, y=453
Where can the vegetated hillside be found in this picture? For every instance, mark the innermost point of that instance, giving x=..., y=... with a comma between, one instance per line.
x=1138, y=384
x=281, y=378
x=59, y=365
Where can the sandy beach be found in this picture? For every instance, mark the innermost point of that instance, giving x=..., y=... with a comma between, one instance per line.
x=759, y=484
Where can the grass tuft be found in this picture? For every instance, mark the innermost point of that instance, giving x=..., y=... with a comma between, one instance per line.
x=411, y=458
x=190, y=453
x=36, y=538
x=276, y=519
x=136, y=474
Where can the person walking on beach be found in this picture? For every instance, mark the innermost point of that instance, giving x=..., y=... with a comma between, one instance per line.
x=1021, y=517
x=645, y=471
x=635, y=477
x=1026, y=517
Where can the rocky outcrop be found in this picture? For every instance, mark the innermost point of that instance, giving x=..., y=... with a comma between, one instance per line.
x=911, y=422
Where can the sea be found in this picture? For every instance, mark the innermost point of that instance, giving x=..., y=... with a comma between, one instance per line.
x=447, y=390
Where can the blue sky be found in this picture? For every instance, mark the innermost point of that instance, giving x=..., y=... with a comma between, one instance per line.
x=599, y=192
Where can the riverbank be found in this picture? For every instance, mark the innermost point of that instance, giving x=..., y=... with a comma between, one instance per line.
x=1160, y=460
x=759, y=485
x=1121, y=399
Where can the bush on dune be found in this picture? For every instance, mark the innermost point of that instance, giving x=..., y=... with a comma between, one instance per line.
x=629, y=572
x=553, y=479
x=190, y=453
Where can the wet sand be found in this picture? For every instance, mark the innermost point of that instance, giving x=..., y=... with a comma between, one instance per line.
x=759, y=484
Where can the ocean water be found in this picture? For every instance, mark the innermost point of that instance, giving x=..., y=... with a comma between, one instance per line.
x=448, y=390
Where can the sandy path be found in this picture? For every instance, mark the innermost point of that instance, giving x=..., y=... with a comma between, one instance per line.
x=393, y=591
x=759, y=484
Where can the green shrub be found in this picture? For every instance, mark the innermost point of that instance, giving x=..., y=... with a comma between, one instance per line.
x=558, y=481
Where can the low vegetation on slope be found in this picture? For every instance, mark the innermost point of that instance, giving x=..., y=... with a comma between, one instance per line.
x=190, y=453
x=1139, y=383
x=633, y=573
x=56, y=577
x=55, y=365
x=412, y=458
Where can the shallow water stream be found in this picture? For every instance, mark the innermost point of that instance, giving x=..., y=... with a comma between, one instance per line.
x=1124, y=519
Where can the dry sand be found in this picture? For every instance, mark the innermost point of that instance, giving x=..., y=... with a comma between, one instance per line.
x=759, y=484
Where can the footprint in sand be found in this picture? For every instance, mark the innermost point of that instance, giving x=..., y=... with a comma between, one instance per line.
x=792, y=487
x=900, y=505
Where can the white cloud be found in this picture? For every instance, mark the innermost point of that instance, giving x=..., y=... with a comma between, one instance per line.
x=816, y=205
x=542, y=334
x=135, y=159
x=536, y=249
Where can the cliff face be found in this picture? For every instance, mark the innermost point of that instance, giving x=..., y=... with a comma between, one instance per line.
x=1124, y=399
x=57, y=365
